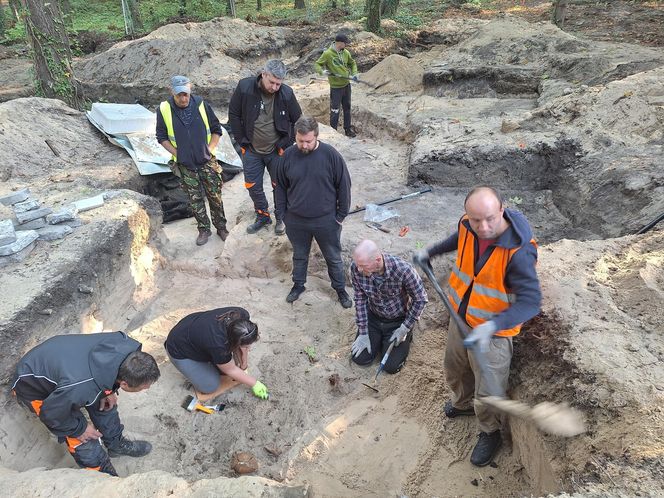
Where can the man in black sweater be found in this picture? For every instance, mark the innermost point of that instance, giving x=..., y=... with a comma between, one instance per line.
x=313, y=198
x=261, y=113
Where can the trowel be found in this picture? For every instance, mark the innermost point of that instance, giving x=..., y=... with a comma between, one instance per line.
x=381, y=367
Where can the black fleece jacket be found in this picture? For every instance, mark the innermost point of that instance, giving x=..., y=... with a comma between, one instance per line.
x=245, y=106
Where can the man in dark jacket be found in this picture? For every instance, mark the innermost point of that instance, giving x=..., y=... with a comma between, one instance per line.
x=313, y=199
x=495, y=289
x=66, y=373
x=261, y=113
x=188, y=128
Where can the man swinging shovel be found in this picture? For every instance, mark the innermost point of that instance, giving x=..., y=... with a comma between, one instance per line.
x=493, y=289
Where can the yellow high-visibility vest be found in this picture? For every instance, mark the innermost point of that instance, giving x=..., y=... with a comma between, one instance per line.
x=165, y=109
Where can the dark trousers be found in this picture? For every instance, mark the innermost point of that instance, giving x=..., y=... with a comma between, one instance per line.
x=380, y=331
x=254, y=165
x=91, y=454
x=202, y=183
x=327, y=232
x=340, y=98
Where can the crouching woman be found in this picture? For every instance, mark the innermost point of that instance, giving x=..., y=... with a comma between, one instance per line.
x=211, y=349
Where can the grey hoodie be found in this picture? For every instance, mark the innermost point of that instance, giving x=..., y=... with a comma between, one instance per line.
x=68, y=372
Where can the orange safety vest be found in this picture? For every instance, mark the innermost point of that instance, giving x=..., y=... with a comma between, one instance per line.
x=489, y=296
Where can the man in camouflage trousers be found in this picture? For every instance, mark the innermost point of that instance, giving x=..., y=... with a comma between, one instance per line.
x=188, y=128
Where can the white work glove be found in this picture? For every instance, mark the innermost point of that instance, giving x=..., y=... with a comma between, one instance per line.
x=481, y=335
x=399, y=334
x=361, y=343
x=421, y=257
x=325, y=72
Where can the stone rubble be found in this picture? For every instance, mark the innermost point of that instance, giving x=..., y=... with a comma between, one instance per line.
x=33, y=222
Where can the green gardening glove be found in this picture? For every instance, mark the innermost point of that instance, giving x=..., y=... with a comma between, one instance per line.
x=260, y=390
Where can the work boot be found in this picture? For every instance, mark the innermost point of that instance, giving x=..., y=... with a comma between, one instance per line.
x=124, y=446
x=451, y=411
x=280, y=227
x=344, y=299
x=485, y=448
x=261, y=221
x=294, y=293
x=203, y=236
x=222, y=232
x=351, y=133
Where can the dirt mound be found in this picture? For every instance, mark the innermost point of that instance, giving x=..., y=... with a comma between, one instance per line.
x=26, y=125
x=400, y=73
x=448, y=31
x=509, y=56
x=368, y=49
x=599, y=341
x=213, y=54
x=68, y=483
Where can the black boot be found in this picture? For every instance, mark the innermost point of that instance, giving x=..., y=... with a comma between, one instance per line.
x=350, y=132
x=344, y=299
x=261, y=221
x=294, y=293
x=124, y=446
x=203, y=236
x=485, y=448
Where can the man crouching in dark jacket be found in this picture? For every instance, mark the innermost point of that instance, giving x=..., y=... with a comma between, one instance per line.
x=68, y=372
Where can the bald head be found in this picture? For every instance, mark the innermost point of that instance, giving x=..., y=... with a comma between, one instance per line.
x=368, y=258
x=484, y=208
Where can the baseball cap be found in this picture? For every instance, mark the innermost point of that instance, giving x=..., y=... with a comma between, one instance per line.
x=180, y=84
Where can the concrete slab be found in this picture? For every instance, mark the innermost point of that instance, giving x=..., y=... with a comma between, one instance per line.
x=118, y=119
x=68, y=213
x=23, y=240
x=17, y=257
x=18, y=196
x=54, y=232
x=32, y=215
x=89, y=203
x=27, y=205
x=7, y=232
x=30, y=225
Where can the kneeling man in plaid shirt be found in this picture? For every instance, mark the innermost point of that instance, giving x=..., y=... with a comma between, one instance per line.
x=389, y=299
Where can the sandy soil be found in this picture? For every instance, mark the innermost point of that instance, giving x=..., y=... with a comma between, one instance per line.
x=597, y=344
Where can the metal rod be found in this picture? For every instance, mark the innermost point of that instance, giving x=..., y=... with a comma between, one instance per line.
x=400, y=198
x=464, y=330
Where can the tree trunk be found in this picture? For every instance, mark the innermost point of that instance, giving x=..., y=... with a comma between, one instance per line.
x=333, y=4
x=16, y=7
x=230, y=8
x=51, y=52
x=388, y=8
x=182, y=8
x=65, y=9
x=299, y=4
x=136, y=15
x=2, y=20
x=373, y=15
x=559, y=11
x=259, y=5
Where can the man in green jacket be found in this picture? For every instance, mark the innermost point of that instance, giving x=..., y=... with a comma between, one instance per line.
x=340, y=67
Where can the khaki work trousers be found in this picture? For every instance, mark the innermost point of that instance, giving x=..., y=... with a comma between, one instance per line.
x=463, y=375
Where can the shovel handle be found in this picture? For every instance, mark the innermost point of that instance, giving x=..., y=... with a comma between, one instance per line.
x=464, y=331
